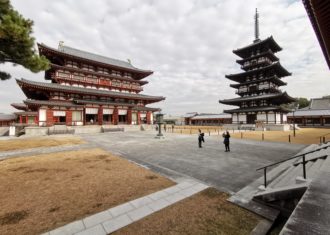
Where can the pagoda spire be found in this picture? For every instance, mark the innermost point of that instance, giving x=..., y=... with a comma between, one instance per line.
x=256, y=26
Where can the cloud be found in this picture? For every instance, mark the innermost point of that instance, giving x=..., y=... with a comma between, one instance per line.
x=188, y=43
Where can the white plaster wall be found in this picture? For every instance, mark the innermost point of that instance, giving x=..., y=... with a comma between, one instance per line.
x=242, y=118
x=271, y=117
x=234, y=118
x=285, y=118
x=261, y=117
x=278, y=118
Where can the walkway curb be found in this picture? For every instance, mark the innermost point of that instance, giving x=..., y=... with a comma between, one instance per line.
x=110, y=220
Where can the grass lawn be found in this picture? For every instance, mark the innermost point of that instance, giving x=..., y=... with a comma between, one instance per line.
x=303, y=136
x=35, y=142
x=43, y=192
x=207, y=212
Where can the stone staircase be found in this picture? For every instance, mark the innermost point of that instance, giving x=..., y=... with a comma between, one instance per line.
x=285, y=185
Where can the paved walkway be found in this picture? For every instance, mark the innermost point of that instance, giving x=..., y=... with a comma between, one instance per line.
x=178, y=156
x=108, y=221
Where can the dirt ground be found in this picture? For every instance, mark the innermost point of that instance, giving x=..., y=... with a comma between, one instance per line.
x=35, y=142
x=40, y=193
x=303, y=136
x=208, y=212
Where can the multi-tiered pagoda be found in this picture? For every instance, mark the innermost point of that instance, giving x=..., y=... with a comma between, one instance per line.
x=258, y=86
x=86, y=88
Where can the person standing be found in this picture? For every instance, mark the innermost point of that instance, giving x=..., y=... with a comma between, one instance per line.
x=200, y=138
x=226, y=137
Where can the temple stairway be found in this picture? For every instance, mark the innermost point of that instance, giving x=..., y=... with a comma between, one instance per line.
x=285, y=186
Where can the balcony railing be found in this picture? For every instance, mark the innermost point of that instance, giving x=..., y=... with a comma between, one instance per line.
x=254, y=63
x=274, y=88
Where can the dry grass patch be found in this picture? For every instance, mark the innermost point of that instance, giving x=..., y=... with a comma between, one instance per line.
x=40, y=193
x=8, y=145
x=303, y=136
x=208, y=212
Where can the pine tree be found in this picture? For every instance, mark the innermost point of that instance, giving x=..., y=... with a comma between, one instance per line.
x=16, y=42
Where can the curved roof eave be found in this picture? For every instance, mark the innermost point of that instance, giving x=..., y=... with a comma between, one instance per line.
x=81, y=90
x=241, y=51
x=128, y=68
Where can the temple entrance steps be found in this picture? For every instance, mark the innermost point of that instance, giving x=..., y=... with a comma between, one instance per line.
x=285, y=184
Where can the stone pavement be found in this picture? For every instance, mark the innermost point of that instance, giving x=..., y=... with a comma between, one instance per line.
x=108, y=221
x=178, y=156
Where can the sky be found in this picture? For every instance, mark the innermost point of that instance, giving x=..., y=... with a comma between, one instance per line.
x=187, y=43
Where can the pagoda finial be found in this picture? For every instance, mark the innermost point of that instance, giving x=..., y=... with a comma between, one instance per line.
x=256, y=26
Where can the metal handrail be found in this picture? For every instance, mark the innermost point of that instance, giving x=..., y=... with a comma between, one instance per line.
x=303, y=155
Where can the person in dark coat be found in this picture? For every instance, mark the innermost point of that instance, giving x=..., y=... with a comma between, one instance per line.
x=226, y=137
x=200, y=138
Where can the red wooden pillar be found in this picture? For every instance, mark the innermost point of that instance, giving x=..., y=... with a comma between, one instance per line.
x=100, y=115
x=129, y=116
x=49, y=117
x=68, y=118
x=138, y=118
x=35, y=120
x=115, y=116
x=20, y=119
x=149, y=117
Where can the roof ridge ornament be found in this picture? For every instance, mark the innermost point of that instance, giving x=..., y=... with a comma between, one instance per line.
x=256, y=26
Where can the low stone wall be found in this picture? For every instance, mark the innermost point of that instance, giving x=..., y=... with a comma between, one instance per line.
x=277, y=127
x=86, y=129
x=35, y=131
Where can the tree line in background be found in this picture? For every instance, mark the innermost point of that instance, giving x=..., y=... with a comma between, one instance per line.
x=16, y=42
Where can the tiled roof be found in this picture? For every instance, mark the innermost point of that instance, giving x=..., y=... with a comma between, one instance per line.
x=314, y=112
x=255, y=109
x=20, y=106
x=93, y=57
x=56, y=87
x=244, y=50
x=27, y=113
x=274, y=79
x=51, y=103
x=249, y=98
x=140, y=108
x=7, y=117
x=322, y=103
x=282, y=72
x=211, y=116
x=189, y=115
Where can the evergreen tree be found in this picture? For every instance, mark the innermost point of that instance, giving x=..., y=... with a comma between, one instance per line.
x=16, y=42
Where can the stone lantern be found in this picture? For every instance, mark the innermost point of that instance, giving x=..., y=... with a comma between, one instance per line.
x=159, y=122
